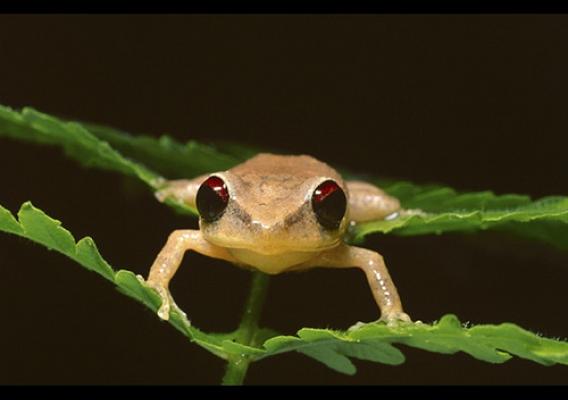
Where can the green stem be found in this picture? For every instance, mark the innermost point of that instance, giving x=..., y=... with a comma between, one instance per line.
x=237, y=366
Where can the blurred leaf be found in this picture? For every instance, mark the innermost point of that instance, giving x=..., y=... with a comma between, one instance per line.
x=444, y=210
x=78, y=143
x=165, y=155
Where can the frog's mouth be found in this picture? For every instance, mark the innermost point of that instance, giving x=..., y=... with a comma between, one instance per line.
x=273, y=247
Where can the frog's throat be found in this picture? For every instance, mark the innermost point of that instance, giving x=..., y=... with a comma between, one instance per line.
x=274, y=249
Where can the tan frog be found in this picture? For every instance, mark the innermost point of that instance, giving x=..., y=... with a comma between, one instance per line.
x=275, y=214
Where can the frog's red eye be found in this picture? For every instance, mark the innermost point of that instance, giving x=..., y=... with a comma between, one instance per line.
x=212, y=198
x=329, y=204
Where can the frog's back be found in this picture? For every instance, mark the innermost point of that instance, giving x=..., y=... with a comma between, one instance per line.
x=283, y=167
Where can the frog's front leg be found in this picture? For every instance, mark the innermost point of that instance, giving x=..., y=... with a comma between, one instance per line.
x=169, y=259
x=372, y=263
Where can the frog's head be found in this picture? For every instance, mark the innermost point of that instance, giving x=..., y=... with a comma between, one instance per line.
x=273, y=214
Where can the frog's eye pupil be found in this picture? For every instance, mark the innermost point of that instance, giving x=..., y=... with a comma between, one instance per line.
x=329, y=204
x=212, y=198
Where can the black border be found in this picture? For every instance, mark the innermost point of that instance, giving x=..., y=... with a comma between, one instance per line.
x=282, y=6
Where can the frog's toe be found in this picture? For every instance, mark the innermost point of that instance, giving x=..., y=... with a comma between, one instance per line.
x=175, y=307
x=165, y=307
x=396, y=318
x=162, y=194
x=158, y=182
x=164, y=310
x=168, y=306
x=357, y=325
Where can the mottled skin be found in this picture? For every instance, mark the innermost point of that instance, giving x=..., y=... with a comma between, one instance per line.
x=269, y=225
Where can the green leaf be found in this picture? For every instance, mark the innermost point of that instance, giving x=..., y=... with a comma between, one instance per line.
x=9, y=223
x=330, y=356
x=86, y=251
x=372, y=342
x=165, y=155
x=35, y=225
x=45, y=230
x=445, y=210
x=89, y=150
x=78, y=143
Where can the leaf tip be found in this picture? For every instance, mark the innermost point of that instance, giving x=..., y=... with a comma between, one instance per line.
x=449, y=321
x=27, y=206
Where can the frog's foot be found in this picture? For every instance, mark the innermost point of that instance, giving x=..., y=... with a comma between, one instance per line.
x=163, y=194
x=395, y=318
x=357, y=325
x=158, y=182
x=164, y=310
x=392, y=320
x=180, y=189
x=175, y=307
x=167, y=299
x=411, y=211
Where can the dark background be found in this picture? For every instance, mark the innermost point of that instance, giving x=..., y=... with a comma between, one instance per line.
x=476, y=102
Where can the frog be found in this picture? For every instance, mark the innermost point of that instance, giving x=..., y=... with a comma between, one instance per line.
x=274, y=214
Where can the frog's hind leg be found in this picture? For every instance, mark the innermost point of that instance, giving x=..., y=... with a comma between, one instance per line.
x=183, y=190
x=368, y=202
